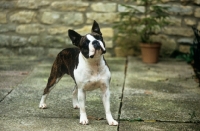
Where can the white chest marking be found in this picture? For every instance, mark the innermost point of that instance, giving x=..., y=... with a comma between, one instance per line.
x=91, y=73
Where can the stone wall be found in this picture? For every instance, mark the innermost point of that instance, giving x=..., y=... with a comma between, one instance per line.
x=40, y=26
x=183, y=15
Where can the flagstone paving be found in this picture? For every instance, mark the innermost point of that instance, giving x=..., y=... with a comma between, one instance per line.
x=151, y=97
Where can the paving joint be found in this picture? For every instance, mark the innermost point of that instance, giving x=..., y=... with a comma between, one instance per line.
x=6, y=95
x=122, y=94
x=153, y=121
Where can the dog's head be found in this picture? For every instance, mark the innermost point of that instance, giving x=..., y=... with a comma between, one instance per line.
x=91, y=44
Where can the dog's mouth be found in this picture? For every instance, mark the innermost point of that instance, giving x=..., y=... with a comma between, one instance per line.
x=96, y=48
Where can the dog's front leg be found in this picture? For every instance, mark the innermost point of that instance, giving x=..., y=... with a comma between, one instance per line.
x=81, y=99
x=106, y=103
x=75, y=98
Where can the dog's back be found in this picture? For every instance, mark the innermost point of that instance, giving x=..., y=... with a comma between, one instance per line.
x=66, y=61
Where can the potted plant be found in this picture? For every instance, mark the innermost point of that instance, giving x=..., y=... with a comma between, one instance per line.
x=144, y=20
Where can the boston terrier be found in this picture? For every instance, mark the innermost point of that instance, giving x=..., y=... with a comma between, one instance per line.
x=88, y=68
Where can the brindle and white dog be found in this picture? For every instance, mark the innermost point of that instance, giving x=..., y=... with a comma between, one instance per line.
x=87, y=66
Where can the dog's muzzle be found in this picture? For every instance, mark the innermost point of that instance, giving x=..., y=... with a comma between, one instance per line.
x=96, y=45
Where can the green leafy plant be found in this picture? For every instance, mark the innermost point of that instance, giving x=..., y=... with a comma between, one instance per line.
x=144, y=20
x=196, y=54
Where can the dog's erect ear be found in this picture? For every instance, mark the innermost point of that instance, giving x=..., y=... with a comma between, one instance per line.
x=74, y=36
x=95, y=28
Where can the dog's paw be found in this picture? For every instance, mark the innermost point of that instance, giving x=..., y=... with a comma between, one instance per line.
x=113, y=122
x=43, y=106
x=76, y=106
x=84, y=120
x=110, y=120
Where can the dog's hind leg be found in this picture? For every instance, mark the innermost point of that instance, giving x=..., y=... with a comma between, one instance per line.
x=55, y=76
x=50, y=85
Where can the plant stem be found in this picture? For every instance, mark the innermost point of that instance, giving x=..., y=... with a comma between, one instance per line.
x=146, y=11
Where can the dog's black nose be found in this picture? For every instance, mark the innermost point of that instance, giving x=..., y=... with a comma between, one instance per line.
x=96, y=45
x=92, y=56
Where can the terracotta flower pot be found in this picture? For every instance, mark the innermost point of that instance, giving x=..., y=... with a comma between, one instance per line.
x=150, y=52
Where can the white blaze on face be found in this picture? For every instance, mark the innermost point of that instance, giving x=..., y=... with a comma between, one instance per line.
x=91, y=47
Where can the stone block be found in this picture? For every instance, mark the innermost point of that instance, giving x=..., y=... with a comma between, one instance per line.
x=197, y=2
x=7, y=27
x=32, y=4
x=73, y=18
x=50, y=17
x=36, y=51
x=23, y=17
x=181, y=31
x=109, y=43
x=107, y=32
x=53, y=52
x=4, y=40
x=197, y=12
x=104, y=7
x=168, y=44
x=4, y=51
x=70, y=5
x=168, y=47
x=18, y=41
x=174, y=21
x=185, y=40
x=29, y=4
x=7, y=4
x=104, y=18
x=43, y=3
x=184, y=48
x=34, y=40
x=121, y=8
x=84, y=30
x=58, y=30
x=3, y=18
x=190, y=21
x=54, y=41
x=180, y=10
x=30, y=29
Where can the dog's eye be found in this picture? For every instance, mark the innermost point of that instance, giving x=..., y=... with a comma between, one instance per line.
x=85, y=43
x=98, y=38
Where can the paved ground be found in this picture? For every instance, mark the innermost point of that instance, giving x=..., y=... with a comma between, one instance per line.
x=154, y=97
